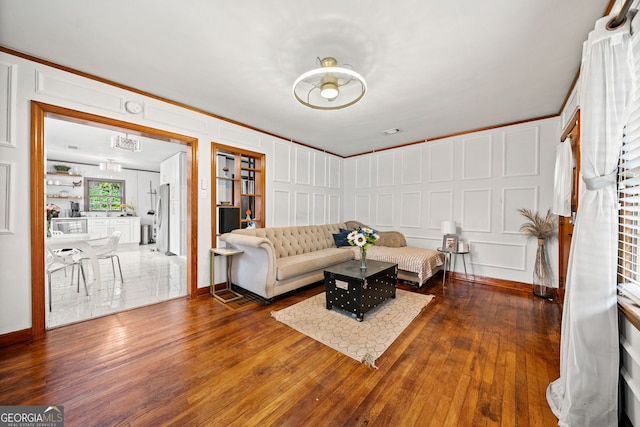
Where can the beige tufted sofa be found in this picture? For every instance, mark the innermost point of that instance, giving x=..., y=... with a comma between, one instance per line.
x=277, y=260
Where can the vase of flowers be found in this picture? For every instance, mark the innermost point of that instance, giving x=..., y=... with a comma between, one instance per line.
x=52, y=211
x=543, y=229
x=363, y=238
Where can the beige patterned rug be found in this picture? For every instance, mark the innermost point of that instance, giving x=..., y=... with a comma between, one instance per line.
x=363, y=341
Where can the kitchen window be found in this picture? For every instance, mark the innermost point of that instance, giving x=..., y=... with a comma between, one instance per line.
x=103, y=194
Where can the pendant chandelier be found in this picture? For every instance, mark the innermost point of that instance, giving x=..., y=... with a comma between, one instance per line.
x=329, y=87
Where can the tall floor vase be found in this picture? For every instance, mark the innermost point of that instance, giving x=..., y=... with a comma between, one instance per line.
x=542, y=275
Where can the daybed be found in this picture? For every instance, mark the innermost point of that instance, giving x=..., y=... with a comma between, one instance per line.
x=277, y=260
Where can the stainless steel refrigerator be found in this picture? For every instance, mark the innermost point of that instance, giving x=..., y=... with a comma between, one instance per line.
x=162, y=220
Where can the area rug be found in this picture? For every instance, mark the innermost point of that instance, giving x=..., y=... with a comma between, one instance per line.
x=363, y=341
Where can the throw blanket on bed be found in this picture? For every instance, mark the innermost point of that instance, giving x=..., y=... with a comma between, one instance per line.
x=424, y=262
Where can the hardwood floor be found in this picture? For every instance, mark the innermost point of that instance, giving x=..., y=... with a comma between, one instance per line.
x=476, y=356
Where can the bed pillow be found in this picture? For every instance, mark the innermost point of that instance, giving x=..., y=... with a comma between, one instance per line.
x=341, y=238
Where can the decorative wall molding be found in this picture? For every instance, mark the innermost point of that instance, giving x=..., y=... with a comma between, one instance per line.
x=363, y=172
x=319, y=208
x=515, y=198
x=319, y=169
x=521, y=152
x=281, y=208
x=411, y=203
x=7, y=196
x=236, y=134
x=384, y=210
x=476, y=210
x=412, y=165
x=302, y=212
x=334, y=172
x=441, y=165
x=363, y=208
x=385, y=169
x=79, y=93
x=334, y=209
x=511, y=256
x=440, y=208
x=303, y=166
x=281, y=161
x=167, y=116
x=477, y=156
x=8, y=102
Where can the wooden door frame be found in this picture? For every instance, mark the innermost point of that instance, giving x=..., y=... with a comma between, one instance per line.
x=39, y=111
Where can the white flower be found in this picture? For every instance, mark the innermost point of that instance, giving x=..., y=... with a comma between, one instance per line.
x=352, y=236
x=360, y=240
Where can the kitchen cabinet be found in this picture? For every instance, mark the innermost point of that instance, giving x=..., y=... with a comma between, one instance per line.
x=129, y=227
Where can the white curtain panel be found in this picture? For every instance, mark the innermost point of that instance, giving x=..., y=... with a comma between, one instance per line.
x=563, y=179
x=586, y=394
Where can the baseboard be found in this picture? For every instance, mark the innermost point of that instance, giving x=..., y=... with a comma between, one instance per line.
x=16, y=337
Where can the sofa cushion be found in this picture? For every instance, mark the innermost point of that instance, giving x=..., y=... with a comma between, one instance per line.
x=296, y=265
x=341, y=238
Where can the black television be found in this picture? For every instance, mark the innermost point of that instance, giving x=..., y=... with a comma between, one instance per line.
x=228, y=218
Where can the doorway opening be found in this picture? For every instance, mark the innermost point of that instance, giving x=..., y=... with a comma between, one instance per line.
x=41, y=117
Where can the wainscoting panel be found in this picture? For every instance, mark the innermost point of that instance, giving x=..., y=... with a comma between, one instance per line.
x=499, y=255
x=239, y=135
x=514, y=199
x=521, y=152
x=334, y=172
x=476, y=210
x=411, y=203
x=173, y=117
x=7, y=188
x=319, y=208
x=476, y=158
x=440, y=208
x=320, y=169
x=334, y=209
x=440, y=161
x=363, y=172
x=385, y=169
x=412, y=165
x=363, y=208
x=76, y=92
x=301, y=210
x=384, y=210
x=303, y=166
x=281, y=208
x=281, y=161
x=8, y=96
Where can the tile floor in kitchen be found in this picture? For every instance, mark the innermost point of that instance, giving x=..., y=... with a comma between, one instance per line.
x=149, y=277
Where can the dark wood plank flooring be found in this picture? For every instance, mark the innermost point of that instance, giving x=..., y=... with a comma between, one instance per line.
x=476, y=356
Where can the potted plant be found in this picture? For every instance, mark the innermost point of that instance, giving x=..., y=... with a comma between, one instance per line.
x=543, y=229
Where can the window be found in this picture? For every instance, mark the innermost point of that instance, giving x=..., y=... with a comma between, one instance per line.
x=103, y=194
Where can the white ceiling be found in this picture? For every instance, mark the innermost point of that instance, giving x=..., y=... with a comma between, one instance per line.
x=78, y=143
x=433, y=68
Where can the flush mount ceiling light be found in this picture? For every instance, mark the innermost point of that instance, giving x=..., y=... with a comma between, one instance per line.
x=329, y=87
x=125, y=143
x=110, y=166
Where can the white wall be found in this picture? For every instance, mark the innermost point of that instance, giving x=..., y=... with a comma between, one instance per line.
x=479, y=180
x=22, y=81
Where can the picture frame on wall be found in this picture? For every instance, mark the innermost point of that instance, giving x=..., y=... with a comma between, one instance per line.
x=450, y=243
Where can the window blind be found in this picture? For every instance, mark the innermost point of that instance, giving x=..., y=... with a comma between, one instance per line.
x=629, y=194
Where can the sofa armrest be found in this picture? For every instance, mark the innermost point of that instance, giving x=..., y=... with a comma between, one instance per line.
x=392, y=239
x=255, y=269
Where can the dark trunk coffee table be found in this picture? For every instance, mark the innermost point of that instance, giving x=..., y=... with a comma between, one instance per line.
x=358, y=291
